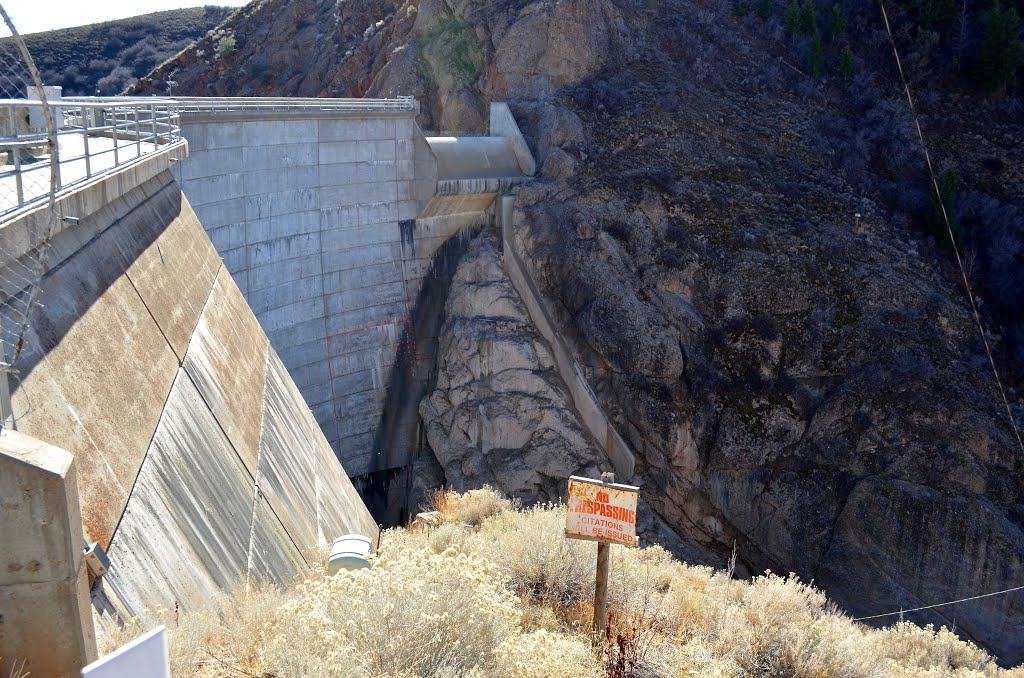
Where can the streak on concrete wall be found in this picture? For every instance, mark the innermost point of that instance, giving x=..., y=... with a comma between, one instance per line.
x=274, y=557
x=226, y=360
x=45, y=619
x=299, y=473
x=188, y=531
x=185, y=533
x=170, y=264
x=287, y=461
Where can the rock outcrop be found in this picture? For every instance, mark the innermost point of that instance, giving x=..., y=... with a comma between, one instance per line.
x=499, y=414
x=795, y=379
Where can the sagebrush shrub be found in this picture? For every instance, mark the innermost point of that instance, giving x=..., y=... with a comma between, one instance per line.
x=512, y=597
x=415, y=612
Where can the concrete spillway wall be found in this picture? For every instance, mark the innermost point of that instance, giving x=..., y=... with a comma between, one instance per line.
x=330, y=220
x=199, y=464
x=584, y=400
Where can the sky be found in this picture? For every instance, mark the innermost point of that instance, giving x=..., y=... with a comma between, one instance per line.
x=33, y=16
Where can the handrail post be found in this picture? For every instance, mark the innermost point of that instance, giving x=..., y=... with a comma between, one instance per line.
x=113, y=121
x=86, y=114
x=138, y=133
x=16, y=152
x=55, y=160
x=152, y=117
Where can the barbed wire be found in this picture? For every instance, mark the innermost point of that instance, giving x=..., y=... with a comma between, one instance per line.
x=950, y=602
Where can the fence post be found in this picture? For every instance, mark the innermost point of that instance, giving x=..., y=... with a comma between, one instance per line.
x=601, y=582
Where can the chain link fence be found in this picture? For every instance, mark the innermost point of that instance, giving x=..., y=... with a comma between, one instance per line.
x=28, y=178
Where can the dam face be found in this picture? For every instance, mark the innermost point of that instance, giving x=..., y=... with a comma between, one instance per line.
x=336, y=219
x=313, y=212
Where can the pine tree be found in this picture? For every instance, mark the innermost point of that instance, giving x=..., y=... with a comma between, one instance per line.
x=793, y=19
x=836, y=24
x=846, y=66
x=815, y=55
x=764, y=8
x=808, y=18
x=959, y=39
x=937, y=15
x=1001, y=49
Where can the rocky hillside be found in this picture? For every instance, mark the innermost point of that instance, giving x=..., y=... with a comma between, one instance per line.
x=106, y=58
x=734, y=227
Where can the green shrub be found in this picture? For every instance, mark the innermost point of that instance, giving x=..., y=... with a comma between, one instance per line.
x=949, y=186
x=225, y=46
x=449, y=52
x=846, y=63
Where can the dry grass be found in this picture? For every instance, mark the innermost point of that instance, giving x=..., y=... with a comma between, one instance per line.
x=13, y=668
x=470, y=508
x=512, y=597
x=227, y=639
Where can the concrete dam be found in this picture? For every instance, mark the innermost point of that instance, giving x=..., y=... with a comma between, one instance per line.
x=211, y=313
x=338, y=220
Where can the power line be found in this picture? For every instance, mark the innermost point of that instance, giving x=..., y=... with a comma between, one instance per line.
x=951, y=602
x=949, y=229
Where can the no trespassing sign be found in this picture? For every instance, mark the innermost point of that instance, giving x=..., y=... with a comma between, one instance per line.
x=601, y=511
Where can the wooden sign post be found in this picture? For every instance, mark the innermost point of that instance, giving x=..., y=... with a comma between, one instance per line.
x=601, y=511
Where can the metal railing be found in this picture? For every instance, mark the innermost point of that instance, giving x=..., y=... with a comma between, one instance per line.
x=277, y=104
x=95, y=135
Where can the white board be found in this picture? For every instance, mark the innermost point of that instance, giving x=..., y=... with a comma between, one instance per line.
x=144, y=657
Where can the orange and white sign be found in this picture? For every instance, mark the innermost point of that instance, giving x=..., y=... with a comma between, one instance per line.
x=601, y=511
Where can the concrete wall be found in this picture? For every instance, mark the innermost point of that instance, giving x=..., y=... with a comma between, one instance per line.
x=503, y=124
x=199, y=463
x=45, y=620
x=316, y=220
